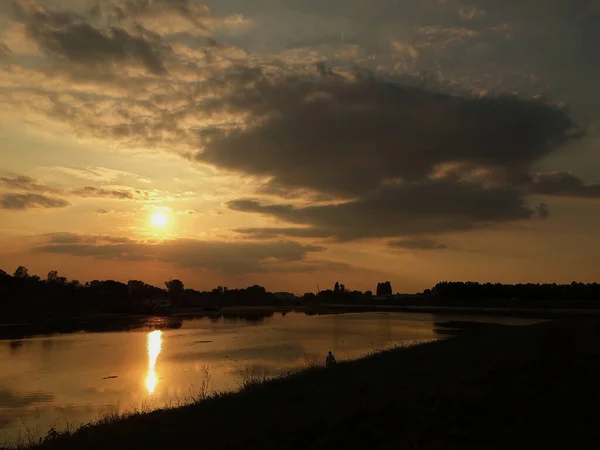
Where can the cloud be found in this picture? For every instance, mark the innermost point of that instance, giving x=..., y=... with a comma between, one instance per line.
x=121, y=194
x=380, y=147
x=71, y=37
x=22, y=202
x=362, y=133
x=270, y=233
x=5, y=52
x=29, y=184
x=418, y=244
x=161, y=16
x=411, y=208
x=564, y=184
x=227, y=257
x=25, y=183
x=101, y=174
x=468, y=13
x=75, y=238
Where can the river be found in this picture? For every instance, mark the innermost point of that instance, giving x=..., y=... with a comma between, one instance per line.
x=66, y=380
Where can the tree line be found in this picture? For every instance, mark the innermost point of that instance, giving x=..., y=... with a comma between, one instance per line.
x=23, y=292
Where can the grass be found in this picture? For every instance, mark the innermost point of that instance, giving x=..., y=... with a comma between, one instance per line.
x=523, y=387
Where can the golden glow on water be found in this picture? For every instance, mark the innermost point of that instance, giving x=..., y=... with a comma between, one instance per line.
x=154, y=347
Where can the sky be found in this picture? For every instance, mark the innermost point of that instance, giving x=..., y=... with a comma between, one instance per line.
x=295, y=143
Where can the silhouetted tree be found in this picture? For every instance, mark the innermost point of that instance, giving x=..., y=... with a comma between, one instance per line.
x=336, y=288
x=384, y=288
x=174, y=287
x=54, y=278
x=21, y=272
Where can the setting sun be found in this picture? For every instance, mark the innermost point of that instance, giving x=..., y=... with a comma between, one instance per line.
x=159, y=219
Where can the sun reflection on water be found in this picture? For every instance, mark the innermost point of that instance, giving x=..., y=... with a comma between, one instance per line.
x=154, y=347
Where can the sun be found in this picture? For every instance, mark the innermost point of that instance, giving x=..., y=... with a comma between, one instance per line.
x=159, y=219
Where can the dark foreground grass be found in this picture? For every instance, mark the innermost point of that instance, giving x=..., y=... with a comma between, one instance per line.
x=527, y=387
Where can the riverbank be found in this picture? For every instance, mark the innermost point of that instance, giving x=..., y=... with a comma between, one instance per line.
x=506, y=387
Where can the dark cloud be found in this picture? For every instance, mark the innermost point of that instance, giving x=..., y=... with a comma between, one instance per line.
x=121, y=194
x=135, y=9
x=418, y=244
x=75, y=238
x=28, y=201
x=270, y=233
x=409, y=208
x=71, y=37
x=25, y=183
x=564, y=184
x=407, y=158
x=5, y=52
x=348, y=137
x=226, y=257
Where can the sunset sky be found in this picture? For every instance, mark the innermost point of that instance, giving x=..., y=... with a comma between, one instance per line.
x=293, y=143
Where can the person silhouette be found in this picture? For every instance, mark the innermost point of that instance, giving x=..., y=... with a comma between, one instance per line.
x=330, y=360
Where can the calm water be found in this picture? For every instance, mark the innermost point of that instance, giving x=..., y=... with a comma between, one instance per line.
x=70, y=379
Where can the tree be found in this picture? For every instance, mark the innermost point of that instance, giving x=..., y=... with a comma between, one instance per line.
x=336, y=288
x=384, y=288
x=54, y=278
x=21, y=272
x=174, y=287
x=135, y=287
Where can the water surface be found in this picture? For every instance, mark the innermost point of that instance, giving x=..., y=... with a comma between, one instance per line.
x=67, y=380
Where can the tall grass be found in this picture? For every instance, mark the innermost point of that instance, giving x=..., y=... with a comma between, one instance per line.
x=253, y=375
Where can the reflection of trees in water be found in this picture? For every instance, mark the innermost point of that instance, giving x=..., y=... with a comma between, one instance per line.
x=15, y=347
x=251, y=317
x=47, y=345
x=90, y=324
x=444, y=325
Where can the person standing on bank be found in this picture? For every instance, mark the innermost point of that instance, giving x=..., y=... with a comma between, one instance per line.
x=330, y=360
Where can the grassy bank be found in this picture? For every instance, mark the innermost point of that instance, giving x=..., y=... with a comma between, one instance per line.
x=534, y=387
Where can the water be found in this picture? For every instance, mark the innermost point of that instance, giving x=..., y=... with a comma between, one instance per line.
x=67, y=380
